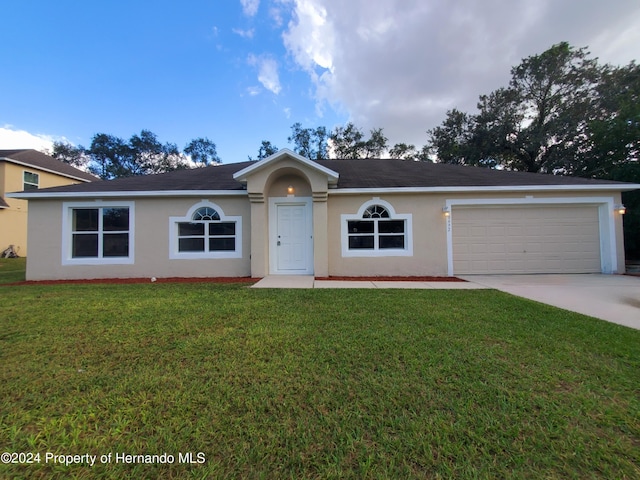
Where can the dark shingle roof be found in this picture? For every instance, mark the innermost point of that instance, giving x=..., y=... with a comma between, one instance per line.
x=408, y=173
x=42, y=161
x=370, y=173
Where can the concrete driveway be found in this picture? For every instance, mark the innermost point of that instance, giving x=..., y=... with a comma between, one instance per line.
x=615, y=298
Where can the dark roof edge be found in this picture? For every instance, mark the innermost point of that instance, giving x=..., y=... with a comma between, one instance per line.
x=332, y=191
x=44, y=169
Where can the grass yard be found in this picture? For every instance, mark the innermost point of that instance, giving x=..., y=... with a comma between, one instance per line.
x=312, y=384
x=12, y=270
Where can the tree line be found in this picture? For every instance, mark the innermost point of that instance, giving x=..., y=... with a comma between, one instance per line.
x=562, y=112
x=110, y=157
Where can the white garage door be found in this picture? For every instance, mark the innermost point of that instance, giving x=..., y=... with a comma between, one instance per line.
x=536, y=239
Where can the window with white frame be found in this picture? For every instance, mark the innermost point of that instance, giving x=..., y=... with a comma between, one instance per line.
x=31, y=181
x=97, y=233
x=376, y=230
x=205, y=232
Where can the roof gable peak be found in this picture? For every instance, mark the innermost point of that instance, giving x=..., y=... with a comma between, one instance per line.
x=241, y=175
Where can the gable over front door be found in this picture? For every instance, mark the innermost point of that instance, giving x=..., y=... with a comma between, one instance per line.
x=290, y=236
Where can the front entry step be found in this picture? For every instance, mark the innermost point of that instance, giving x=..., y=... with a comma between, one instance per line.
x=285, y=281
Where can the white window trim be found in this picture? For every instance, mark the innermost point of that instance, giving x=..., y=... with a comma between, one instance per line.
x=175, y=254
x=67, y=236
x=608, y=251
x=385, y=252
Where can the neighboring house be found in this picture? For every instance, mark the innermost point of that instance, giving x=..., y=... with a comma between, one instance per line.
x=28, y=170
x=289, y=215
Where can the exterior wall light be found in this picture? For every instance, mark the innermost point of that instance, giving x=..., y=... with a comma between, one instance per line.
x=621, y=209
x=446, y=210
x=291, y=190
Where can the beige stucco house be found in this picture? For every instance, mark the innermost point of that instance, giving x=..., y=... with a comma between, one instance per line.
x=289, y=215
x=28, y=170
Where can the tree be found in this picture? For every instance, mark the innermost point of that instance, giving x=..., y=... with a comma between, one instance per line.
x=203, y=152
x=70, y=154
x=403, y=151
x=309, y=142
x=112, y=157
x=266, y=150
x=376, y=145
x=536, y=124
x=615, y=130
x=349, y=142
x=108, y=156
x=149, y=156
x=615, y=142
x=452, y=142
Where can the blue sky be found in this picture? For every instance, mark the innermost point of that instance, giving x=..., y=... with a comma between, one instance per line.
x=242, y=71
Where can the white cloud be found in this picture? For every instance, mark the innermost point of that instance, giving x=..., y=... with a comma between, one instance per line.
x=244, y=33
x=400, y=64
x=267, y=72
x=250, y=7
x=17, y=139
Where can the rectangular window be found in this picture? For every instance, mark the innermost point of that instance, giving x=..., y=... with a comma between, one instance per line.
x=100, y=232
x=207, y=236
x=376, y=231
x=30, y=181
x=376, y=234
x=391, y=234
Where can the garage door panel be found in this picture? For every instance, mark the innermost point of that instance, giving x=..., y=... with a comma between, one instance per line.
x=547, y=239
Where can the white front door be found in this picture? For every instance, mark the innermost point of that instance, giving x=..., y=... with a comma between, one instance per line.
x=292, y=241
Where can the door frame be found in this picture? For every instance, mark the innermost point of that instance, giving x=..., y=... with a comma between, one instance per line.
x=274, y=202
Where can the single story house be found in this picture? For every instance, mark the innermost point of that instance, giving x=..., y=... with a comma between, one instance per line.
x=287, y=214
x=28, y=170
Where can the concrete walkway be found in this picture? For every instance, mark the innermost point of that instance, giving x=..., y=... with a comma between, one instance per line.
x=615, y=298
x=304, y=281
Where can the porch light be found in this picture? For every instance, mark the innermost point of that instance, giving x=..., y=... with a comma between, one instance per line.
x=290, y=190
x=446, y=210
x=621, y=209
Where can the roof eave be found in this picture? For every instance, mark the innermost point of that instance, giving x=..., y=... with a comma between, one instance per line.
x=622, y=187
x=128, y=194
x=48, y=170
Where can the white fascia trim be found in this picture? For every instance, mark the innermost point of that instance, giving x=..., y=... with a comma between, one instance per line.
x=606, y=213
x=241, y=175
x=128, y=194
x=35, y=167
x=501, y=189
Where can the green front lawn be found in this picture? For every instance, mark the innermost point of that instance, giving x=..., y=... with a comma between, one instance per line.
x=313, y=384
x=12, y=270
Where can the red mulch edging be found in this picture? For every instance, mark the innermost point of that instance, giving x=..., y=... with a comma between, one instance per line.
x=393, y=279
x=226, y=280
x=142, y=280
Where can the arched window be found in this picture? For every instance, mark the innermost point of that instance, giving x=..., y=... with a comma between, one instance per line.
x=376, y=231
x=206, y=233
x=205, y=213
